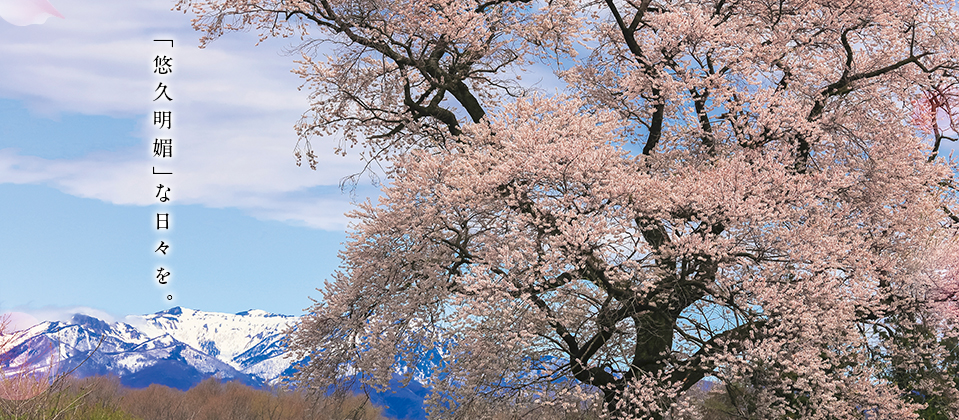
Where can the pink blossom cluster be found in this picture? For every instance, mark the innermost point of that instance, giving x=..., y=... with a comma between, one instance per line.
x=727, y=190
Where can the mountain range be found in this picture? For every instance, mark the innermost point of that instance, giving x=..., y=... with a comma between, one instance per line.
x=179, y=348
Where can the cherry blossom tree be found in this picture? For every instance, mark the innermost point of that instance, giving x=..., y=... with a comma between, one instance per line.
x=736, y=190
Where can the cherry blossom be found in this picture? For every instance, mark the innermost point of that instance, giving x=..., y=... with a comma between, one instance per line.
x=731, y=190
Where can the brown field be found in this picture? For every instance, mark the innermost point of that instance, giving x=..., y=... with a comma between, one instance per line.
x=103, y=398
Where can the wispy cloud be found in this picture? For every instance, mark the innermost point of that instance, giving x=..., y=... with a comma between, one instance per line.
x=25, y=317
x=27, y=12
x=234, y=106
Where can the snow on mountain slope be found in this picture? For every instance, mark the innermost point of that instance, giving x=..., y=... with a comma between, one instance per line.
x=181, y=344
x=223, y=336
x=179, y=348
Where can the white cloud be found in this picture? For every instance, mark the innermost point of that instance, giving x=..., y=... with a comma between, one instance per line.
x=27, y=12
x=233, y=113
x=26, y=315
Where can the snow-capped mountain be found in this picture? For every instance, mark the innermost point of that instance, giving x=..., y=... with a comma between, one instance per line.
x=178, y=347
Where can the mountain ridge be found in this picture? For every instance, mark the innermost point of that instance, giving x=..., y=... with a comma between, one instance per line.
x=180, y=347
x=243, y=346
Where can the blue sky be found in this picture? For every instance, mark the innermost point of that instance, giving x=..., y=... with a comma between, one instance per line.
x=249, y=229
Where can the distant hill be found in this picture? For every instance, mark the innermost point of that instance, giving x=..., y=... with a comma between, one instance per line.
x=179, y=348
